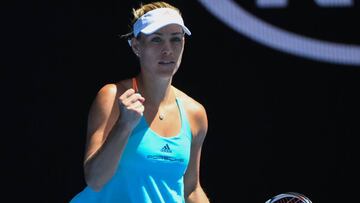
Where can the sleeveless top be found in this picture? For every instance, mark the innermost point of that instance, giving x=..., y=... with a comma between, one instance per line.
x=151, y=168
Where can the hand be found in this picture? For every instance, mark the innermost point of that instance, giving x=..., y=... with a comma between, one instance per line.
x=131, y=107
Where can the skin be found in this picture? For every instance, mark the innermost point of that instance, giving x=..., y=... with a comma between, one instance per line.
x=117, y=109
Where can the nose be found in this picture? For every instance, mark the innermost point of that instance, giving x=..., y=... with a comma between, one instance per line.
x=167, y=49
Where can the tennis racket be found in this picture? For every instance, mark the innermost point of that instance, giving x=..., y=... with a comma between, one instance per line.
x=289, y=197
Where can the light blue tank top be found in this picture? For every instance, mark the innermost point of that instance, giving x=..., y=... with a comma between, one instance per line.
x=151, y=169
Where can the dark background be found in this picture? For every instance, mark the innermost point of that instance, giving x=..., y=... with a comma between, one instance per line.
x=277, y=122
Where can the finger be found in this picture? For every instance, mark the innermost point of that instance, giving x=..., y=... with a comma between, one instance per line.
x=137, y=107
x=136, y=97
x=140, y=108
x=127, y=94
x=141, y=98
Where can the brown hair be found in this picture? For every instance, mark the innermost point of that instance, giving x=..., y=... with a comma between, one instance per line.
x=144, y=8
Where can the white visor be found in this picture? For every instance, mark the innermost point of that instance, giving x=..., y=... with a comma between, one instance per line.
x=156, y=19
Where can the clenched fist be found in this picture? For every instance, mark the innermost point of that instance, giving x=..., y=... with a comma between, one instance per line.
x=131, y=107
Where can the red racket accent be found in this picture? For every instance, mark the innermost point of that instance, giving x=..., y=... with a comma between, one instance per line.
x=134, y=84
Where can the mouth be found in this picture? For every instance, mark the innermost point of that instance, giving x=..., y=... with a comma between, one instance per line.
x=166, y=62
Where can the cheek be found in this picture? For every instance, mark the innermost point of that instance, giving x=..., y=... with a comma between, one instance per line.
x=178, y=48
x=180, y=51
x=150, y=51
x=150, y=55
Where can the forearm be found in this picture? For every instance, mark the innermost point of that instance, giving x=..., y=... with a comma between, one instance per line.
x=101, y=166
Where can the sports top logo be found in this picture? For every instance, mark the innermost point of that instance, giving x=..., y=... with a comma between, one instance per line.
x=242, y=21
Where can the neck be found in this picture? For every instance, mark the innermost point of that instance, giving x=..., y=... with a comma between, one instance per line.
x=155, y=91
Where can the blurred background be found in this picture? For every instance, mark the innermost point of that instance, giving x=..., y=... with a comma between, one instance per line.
x=279, y=80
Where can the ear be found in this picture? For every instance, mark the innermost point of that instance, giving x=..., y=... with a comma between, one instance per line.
x=135, y=46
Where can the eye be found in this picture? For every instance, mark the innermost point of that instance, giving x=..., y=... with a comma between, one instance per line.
x=176, y=39
x=156, y=39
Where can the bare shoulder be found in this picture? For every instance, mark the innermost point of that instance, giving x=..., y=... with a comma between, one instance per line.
x=106, y=98
x=108, y=90
x=114, y=89
x=191, y=105
x=104, y=108
x=195, y=111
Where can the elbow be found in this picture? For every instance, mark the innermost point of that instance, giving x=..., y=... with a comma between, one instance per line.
x=93, y=183
x=197, y=195
x=95, y=187
x=96, y=177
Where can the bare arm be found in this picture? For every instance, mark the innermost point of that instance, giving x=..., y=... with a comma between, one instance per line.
x=111, y=120
x=194, y=193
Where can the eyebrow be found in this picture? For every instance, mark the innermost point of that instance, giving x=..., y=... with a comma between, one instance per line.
x=174, y=33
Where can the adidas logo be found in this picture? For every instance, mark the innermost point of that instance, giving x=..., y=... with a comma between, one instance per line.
x=166, y=149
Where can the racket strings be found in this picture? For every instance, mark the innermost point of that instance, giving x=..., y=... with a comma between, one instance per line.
x=289, y=200
x=289, y=197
